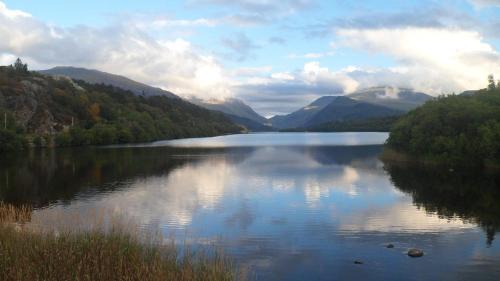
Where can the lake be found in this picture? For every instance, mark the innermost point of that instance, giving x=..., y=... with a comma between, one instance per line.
x=287, y=206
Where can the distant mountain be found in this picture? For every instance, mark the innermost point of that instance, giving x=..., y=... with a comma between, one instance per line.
x=469, y=93
x=396, y=98
x=346, y=109
x=250, y=125
x=233, y=107
x=300, y=117
x=98, y=77
x=332, y=109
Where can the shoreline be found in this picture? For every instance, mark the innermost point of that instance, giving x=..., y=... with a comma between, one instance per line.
x=397, y=157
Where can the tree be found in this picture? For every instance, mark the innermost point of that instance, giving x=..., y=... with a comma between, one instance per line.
x=20, y=67
x=491, y=83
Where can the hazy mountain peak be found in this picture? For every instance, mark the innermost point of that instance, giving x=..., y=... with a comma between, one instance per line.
x=393, y=97
x=230, y=106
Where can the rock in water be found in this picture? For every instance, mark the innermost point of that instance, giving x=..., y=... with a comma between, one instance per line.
x=390, y=246
x=415, y=253
x=358, y=262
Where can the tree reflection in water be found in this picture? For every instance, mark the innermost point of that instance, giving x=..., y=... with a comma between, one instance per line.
x=468, y=194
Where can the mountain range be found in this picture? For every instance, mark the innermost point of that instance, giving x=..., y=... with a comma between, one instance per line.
x=237, y=111
x=376, y=102
x=368, y=103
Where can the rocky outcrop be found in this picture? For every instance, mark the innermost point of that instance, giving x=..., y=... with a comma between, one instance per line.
x=27, y=104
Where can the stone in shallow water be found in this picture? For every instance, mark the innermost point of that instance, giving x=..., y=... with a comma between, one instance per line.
x=415, y=253
x=390, y=246
x=358, y=262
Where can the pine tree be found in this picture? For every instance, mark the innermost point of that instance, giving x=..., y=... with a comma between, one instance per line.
x=20, y=67
x=491, y=83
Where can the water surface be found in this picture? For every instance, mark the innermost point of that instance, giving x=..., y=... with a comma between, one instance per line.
x=288, y=206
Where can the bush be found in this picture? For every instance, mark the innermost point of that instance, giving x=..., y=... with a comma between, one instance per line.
x=63, y=139
x=10, y=141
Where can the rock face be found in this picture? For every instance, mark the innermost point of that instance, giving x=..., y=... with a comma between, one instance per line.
x=415, y=253
x=29, y=107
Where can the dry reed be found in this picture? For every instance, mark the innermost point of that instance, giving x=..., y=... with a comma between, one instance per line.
x=28, y=254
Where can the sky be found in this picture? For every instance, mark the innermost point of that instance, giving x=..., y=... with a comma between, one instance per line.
x=277, y=56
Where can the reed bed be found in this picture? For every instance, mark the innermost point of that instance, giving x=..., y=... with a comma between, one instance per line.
x=26, y=253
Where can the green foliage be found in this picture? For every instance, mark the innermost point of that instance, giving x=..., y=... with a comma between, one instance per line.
x=10, y=141
x=491, y=83
x=456, y=130
x=86, y=114
x=382, y=124
x=63, y=139
x=20, y=67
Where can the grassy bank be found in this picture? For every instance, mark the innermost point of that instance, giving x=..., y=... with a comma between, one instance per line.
x=29, y=254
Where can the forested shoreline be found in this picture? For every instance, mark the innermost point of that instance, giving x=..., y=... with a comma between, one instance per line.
x=38, y=110
x=459, y=130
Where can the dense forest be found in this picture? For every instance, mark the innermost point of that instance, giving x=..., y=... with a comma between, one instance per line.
x=39, y=110
x=380, y=124
x=453, y=130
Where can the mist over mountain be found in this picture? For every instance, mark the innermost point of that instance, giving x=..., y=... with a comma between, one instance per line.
x=396, y=98
x=332, y=109
x=231, y=106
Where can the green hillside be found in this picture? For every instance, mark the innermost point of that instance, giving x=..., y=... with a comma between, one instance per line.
x=46, y=111
x=455, y=130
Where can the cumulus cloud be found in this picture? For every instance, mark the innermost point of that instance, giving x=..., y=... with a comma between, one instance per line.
x=434, y=60
x=283, y=92
x=122, y=49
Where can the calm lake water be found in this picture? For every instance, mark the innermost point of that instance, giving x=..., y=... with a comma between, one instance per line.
x=294, y=206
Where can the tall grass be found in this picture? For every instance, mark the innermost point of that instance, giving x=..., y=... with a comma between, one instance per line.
x=27, y=253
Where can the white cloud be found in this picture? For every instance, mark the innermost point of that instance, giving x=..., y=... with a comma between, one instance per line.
x=12, y=13
x=313, y=73
x=122, y=49
x=251, y=71
x=433, y=60
x=485, y=3
x=161, y=23
x=282, y=76
x=283, y=92
x=310, y=55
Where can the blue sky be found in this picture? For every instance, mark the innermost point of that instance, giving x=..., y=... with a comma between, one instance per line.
x=275, y=55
